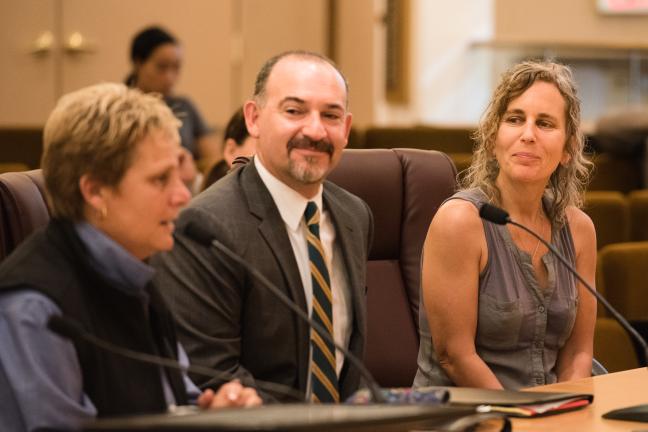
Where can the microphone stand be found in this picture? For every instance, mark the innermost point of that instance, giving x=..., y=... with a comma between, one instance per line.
x=624, y=323
x=500, y=216
x=198, y=233
x=72, y=329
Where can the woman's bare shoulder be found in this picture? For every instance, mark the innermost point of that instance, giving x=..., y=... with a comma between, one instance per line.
x=457, y=218
x=579, y=221
x=582, y=229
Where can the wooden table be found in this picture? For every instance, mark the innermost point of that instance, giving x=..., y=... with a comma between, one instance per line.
x=612, y=391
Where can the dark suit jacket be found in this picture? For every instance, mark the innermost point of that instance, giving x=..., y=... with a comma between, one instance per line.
x=228, y=320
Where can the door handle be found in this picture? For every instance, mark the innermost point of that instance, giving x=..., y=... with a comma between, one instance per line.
x=42, y=44
x=76, y=43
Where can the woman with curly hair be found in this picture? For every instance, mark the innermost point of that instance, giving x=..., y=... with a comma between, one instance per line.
x=498, y=310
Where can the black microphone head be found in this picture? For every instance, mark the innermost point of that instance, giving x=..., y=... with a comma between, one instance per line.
x=198, y=233
x=65, y=327
x=494, y=214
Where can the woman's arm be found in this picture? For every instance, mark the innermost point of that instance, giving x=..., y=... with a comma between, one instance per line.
x=575, y=358
x=454, y=253
x=43, y=387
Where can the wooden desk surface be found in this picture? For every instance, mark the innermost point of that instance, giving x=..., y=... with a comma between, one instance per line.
x=616, y=390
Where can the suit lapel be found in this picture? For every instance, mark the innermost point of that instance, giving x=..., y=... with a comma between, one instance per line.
x=271, y=228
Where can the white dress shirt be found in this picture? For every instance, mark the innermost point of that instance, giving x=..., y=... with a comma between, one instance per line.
x=292, y=206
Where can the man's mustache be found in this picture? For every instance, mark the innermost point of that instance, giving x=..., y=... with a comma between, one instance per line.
x=323, y=145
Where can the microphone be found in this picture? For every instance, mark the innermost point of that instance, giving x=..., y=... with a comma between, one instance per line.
x=202, y=236
x=494, y=214
x=74, y=330
x=501, y=217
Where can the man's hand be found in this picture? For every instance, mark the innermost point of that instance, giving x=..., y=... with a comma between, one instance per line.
x=232, y=394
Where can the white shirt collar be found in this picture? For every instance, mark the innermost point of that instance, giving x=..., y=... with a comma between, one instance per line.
x=291, y=204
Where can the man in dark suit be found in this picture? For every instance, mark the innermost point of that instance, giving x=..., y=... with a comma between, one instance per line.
x=308, y=236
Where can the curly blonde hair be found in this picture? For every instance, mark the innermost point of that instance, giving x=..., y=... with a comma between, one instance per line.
x=568, y=182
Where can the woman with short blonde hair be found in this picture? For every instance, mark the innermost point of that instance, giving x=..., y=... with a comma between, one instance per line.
x=111, y=169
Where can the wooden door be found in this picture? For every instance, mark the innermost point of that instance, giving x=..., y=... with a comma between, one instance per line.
x=271, y=27
x=28, y=53
x=107, y=27
x=224, y=41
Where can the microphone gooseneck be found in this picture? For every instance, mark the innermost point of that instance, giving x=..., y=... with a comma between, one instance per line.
x=204, y=237
x=72, y=329
x=65, y=327
x=501, y=217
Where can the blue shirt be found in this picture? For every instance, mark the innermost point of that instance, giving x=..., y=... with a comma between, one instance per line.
x=40, y=375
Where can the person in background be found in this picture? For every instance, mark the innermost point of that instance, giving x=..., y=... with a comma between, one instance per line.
x=306, y=235
x=156, y=58
x=111, y=170
x=237, y=143
x=499, y=311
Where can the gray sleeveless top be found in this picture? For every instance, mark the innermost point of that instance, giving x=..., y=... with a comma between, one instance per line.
x=520, y=327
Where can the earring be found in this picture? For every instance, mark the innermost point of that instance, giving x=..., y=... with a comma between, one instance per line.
x=103, y=212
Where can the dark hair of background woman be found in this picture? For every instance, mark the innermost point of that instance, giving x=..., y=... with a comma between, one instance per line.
x=143, y=45
x=236, y=128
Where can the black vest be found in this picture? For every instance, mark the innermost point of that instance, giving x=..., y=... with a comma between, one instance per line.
x=54, y=261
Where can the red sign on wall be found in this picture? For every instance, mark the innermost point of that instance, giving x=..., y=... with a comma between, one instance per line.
x=622, y=6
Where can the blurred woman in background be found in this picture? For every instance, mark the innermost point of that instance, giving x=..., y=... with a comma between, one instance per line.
x=156, y=58
x=237, y=143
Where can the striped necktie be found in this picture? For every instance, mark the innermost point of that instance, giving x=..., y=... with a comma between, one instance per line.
x=323, y=376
